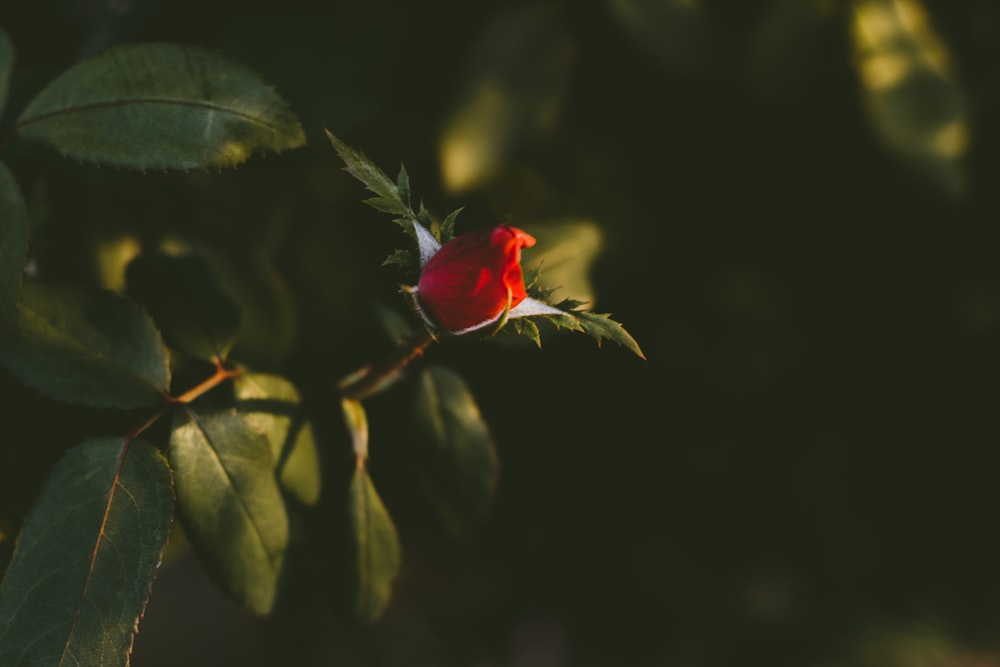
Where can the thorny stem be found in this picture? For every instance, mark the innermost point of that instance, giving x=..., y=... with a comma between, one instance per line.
x=370, y=379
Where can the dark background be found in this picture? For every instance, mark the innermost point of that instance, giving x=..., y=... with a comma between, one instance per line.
x=803, y=472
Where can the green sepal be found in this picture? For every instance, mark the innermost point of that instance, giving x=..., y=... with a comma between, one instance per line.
x=447, y=231
x=373, y=178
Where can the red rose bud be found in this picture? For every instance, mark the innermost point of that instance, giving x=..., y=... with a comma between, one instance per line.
x=473, y=278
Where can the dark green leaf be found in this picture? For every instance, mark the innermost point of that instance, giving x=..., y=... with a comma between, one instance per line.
x=6, y=67
x=85, y=560
x=376, y=546
x=184, y=298
x=87, y=347
x=13, y=244
x=229, y=503
x=160, y=106
x=272, y=406
x=459, y=463
x=373, y=178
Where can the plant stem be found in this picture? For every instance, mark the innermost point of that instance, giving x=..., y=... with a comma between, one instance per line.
x=221, y=375
x=373, y=378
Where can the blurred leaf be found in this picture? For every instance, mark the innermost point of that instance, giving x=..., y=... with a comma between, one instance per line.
x=184, y=298
x=85, y=560
x=564, y=253
x=913, y=98
x=789, y=42
x=13, y=245
x=677, y=33
x=229, y=503
x=268, y=326
x=272, y=405
x=459, y=466
x=88, y=347
x=160, y=106
x=517, y=77
x=6, y=67
x=376, y=546
x=397, y=327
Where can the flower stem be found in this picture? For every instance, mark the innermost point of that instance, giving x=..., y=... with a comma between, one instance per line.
x=371, y=379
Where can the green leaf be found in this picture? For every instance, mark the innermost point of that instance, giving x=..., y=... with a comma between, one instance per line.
x=600, y=326
x=87, y=347
x=6, y=67
x=229, y=503
x=373, y=178
x=13, y=242
x=376, y=546
x=272, y=405
x=184, y=298
x=160, y=106
x=85, y=560
x=459, y=462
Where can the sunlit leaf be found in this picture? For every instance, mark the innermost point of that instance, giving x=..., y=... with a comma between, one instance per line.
x=357, y=425
x=272, y=405
x=518, y=73
x=458, y=463
x=676, y=33
x=87, y=347
x=13, y=245
x=376, y=547
x=6, y=67
x=181, y=293
x=85, y=560
x=914, y=100
x=229, y=503
x=160, y=106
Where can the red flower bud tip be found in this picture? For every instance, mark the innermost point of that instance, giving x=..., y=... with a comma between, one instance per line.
x=473, y=278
